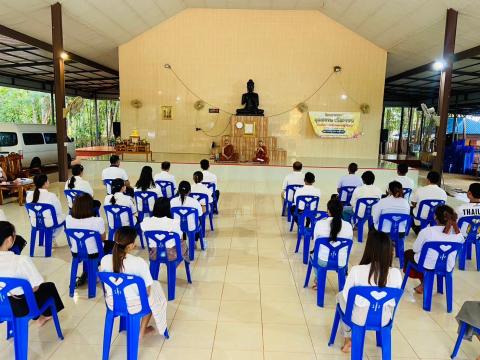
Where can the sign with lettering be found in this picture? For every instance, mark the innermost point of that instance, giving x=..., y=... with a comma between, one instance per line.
x=338, y=125
x=213, y=110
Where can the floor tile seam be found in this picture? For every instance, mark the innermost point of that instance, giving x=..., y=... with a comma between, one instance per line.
x=221, y=295
x=282, y=234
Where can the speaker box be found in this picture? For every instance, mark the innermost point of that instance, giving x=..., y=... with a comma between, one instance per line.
x=117, y=130
x=384, y=135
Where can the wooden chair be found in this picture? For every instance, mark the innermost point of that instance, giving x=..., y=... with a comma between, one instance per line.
x=14, y=164
x=4, y=165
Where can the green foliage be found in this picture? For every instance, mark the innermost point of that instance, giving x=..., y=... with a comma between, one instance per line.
x=33, y=107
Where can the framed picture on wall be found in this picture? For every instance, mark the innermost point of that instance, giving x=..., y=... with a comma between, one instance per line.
x=167, y=112
x=249, y=129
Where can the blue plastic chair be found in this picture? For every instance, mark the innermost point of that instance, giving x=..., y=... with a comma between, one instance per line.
x=287, y=204
x=17, y=327
x=407, y=193
x=41, y=230
x=346, y=192
x=160, y=238
x=142, y=199
x=129, y=322
x=108, y=185
x=430, y=205
x=90, y=265
x=331, y=265
x=373, y=321
x=185, y=213
x=396, y=220
x=443, y=249
x=366, y=204
x=208, y=212
x=471, y=240
x=463, y=330
x=114, y=213
x=310, y=203
x=71, y=194
x=306, y=232
x=213, y=187
x=167, y=188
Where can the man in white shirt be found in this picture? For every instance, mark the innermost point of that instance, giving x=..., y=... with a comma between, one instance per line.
x=402, y=178
x=114, y=171
x=307, y=190
x=209, y=176
x=367, y=190
x=165, y=175
x=294, y=178
x=200, y=188
x=351, y=180
x=432, y=191
x=471, y=208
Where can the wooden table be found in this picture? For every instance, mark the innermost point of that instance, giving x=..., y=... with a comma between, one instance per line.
x=20, y=189
x=146, y=153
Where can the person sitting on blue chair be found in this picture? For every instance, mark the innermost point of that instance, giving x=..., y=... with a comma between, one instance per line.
x=367, y=190
x=431, y=191
x=165, y=175
x=183, y=200
x=41, y=195
x=402, y=178
x=350, y=180
x=161, y=220
x=76, y=182
x=332, y=227
x=375, y=269
x=22, y=267
x=208, y=176
x=122, y=261
x=472, y=208
x=296, y=177
x=83, y=217
x=118, y=197
x=146, y=183
x=114, y=171
x=307, y=190
x=445, y=230
x=394, y=203
x=200, y=188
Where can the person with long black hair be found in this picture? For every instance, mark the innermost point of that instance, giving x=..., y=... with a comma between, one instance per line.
x=183, y=200
x=122, y=261
x=41, y=195
x=76, y=182
x=22, y=267
x=333, y=227
x=146, y=183
x=118, y=197
x=199, y=188
x=19, y=242
x=445, y=230
x=375, y=269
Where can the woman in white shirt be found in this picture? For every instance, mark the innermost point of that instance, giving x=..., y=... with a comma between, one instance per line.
x=41, y=195
x=145, y=183
x=445, y=230
x=394, y=203
x=200, y=188
x=375, y=269
x=22, y=267
x=76, y=182
x=19, y=242
x=121, y=261
x=333, y=228
x=118, y=197
x=161, y=220
x=83, y=217
x=183, y=200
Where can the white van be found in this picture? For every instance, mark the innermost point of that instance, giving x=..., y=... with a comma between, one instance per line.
x=37, y=143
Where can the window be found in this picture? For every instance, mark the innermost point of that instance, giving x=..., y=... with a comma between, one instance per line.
x=50, y=138
x=33, y=138
x=8, y=139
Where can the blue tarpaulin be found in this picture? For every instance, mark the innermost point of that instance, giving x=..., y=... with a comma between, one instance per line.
x=473, y=126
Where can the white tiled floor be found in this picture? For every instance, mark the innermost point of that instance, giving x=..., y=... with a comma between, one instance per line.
x=246, y=300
